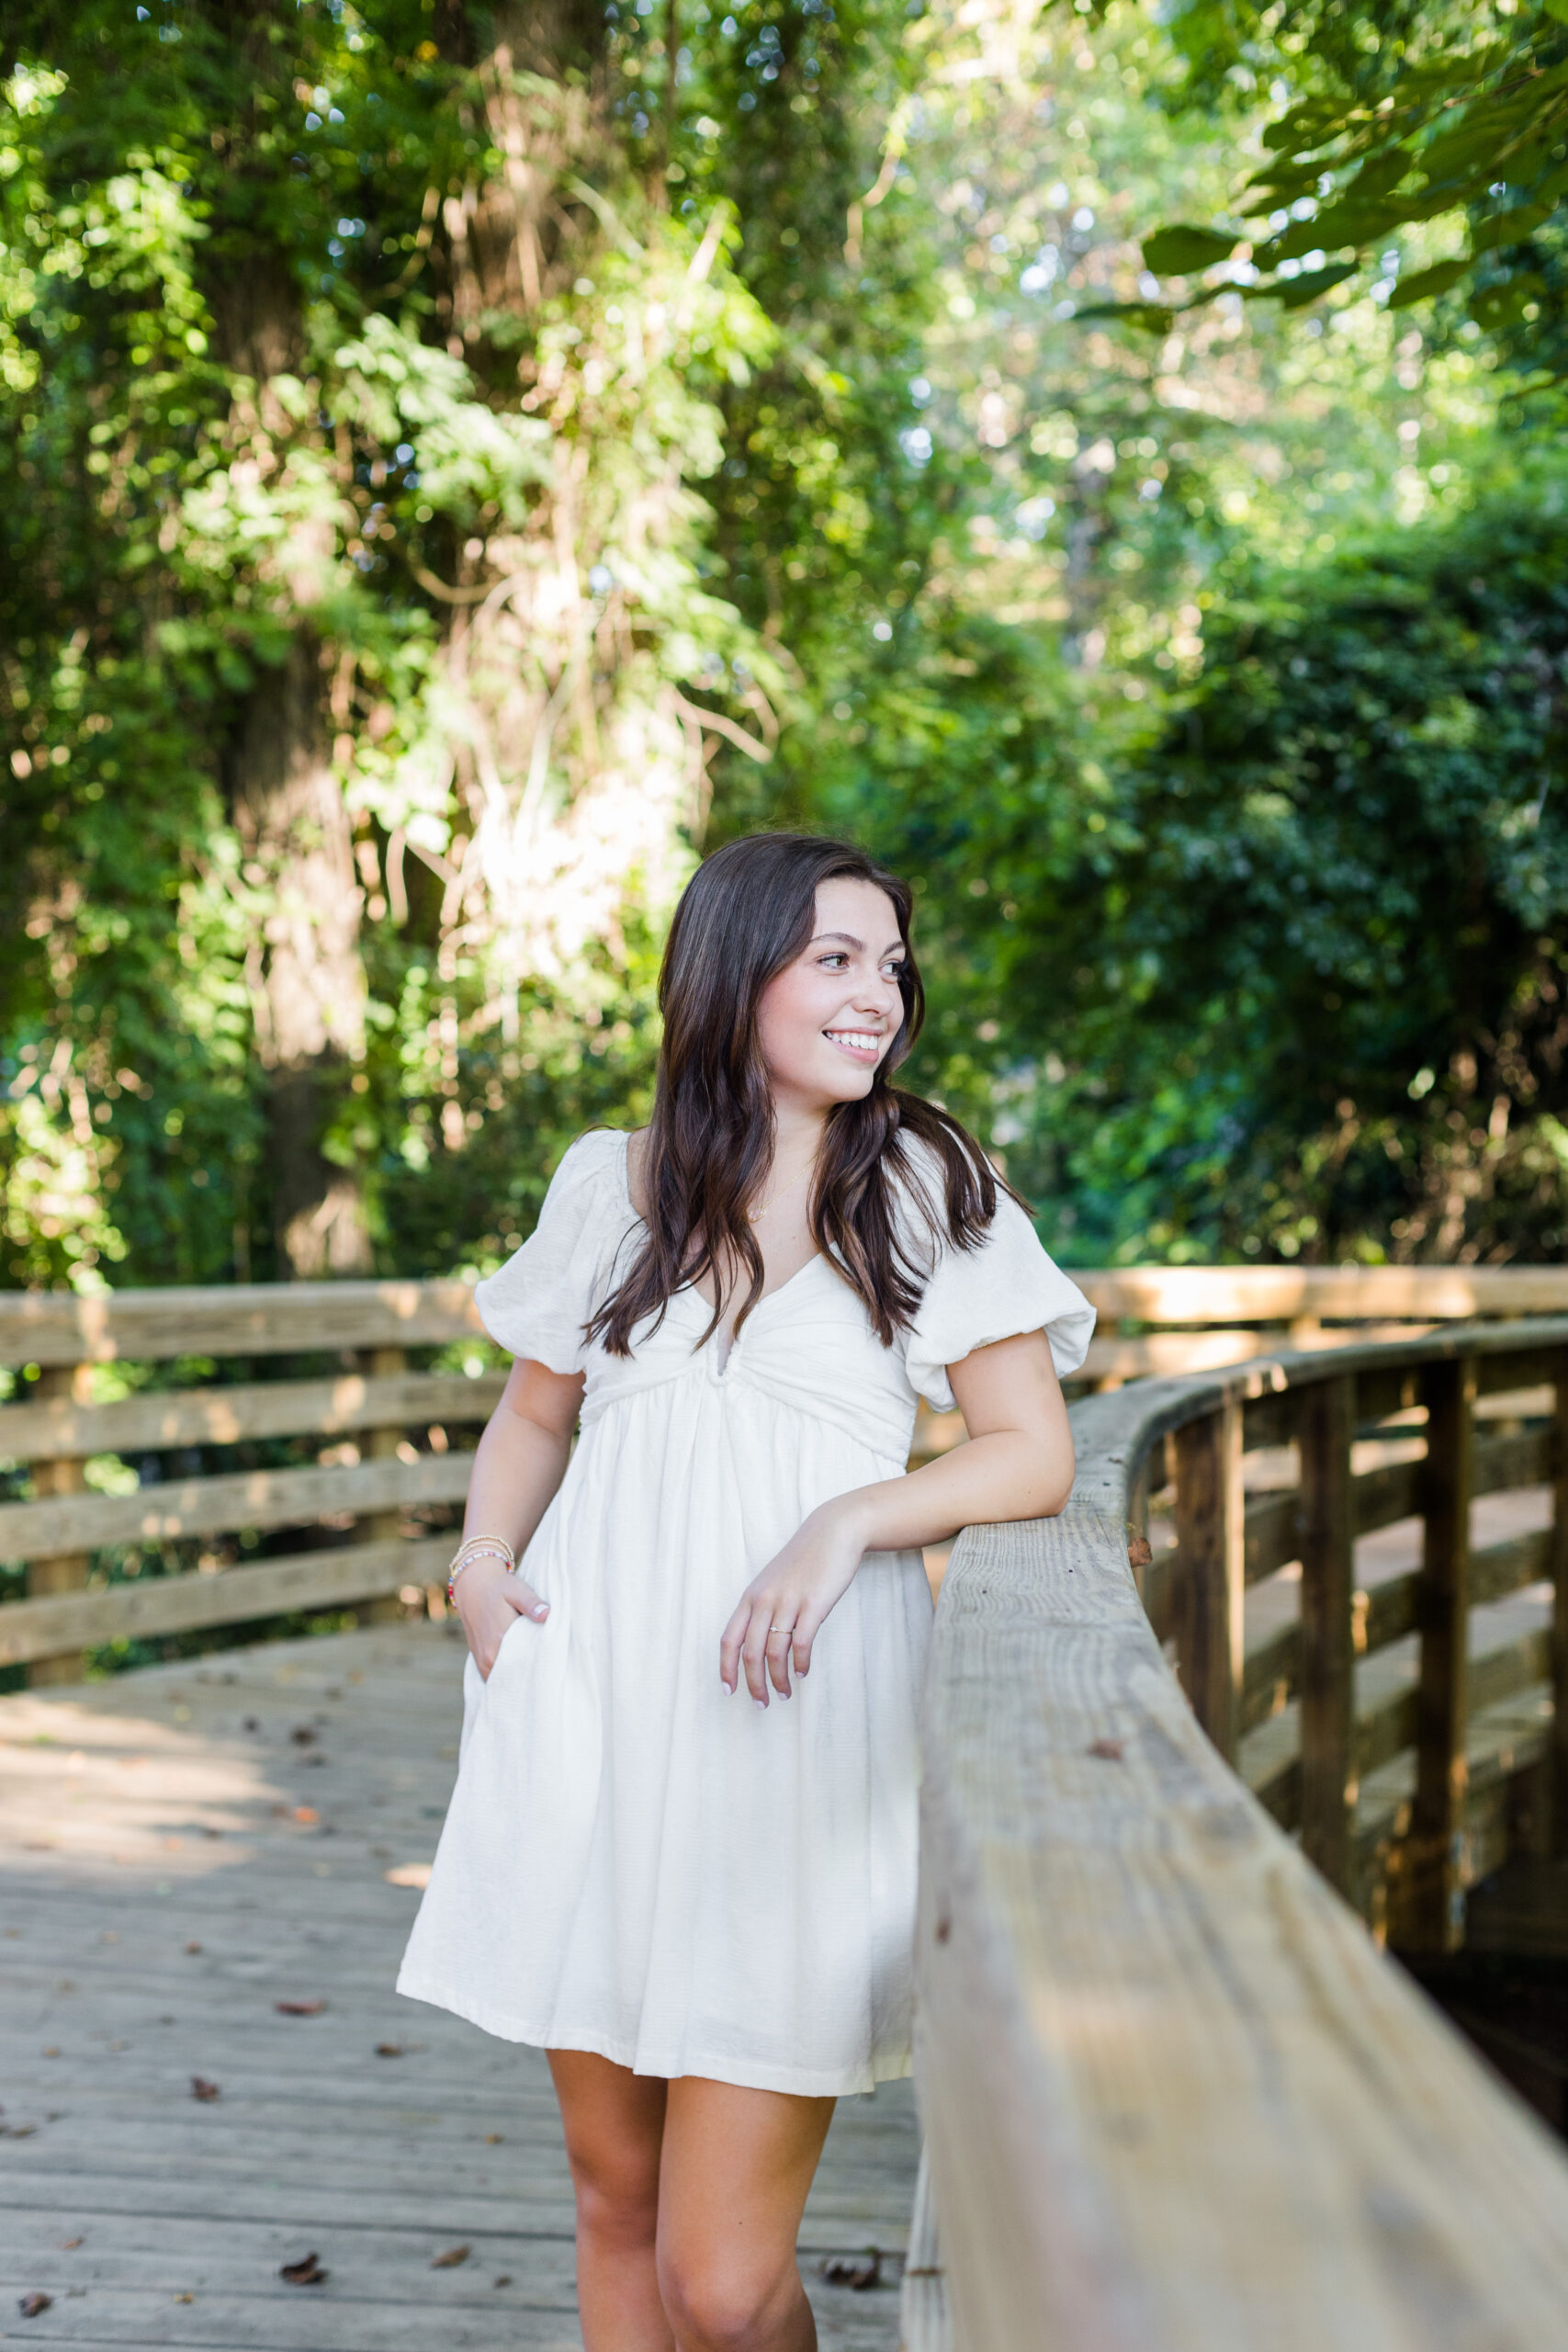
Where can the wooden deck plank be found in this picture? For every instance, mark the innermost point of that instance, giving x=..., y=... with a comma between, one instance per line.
x=140, y=1816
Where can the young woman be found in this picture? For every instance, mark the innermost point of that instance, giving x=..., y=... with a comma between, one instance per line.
x=681, y=1852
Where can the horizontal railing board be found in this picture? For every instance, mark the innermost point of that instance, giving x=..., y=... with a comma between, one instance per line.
x=1202, y=1294
x=53, y=1327
x=1272, y=1533
x=247, y=1498
x=59, y=1430
x=246, y=1319
x=1496, y=1571
x=1269, y=1677
x=65, y=1622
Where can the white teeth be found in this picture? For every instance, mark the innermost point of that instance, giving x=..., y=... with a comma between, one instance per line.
x=861, y=1039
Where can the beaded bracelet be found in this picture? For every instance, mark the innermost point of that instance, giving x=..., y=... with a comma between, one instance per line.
x=480, y=1547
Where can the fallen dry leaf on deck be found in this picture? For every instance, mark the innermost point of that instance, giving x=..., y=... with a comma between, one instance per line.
x=185, y=2299
x=307, y=2272
x=69, y=2245
x=505, y=2280
x=299, y=2008
x=1139, y=1554
x=1109, y=1749
x=201, y=2088
x=859, y=2271
x=416, y=1874
x=307, y=1813
x=493, y=2139
x=192, y=1947
x=18, y=2130
x=30, y=2306
x=388, y=2050
x=451, y=2258
x=302, y=1736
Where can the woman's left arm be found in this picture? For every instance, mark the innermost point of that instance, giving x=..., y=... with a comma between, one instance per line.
x=1017, y=1464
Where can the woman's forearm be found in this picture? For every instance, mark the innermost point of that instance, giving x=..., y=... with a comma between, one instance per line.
x=1007, y=1475
x=518, y=1466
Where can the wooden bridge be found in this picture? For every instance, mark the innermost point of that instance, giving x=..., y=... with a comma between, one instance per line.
x=1173, y=2095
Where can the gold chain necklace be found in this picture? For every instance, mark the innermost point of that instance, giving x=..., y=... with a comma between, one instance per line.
x=754, y=1216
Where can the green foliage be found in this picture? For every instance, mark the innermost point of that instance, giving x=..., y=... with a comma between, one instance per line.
x=786, y=463
x=238, y=416
x=1402, y=127
x=1313, y=998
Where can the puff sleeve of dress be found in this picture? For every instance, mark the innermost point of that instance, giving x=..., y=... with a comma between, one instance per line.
x=537, y=1305
x=1006, y=1284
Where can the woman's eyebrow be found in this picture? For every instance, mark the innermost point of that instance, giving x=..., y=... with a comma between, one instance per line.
x=851, y=941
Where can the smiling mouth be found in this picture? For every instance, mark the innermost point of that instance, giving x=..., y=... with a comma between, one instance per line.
x=860, y=1045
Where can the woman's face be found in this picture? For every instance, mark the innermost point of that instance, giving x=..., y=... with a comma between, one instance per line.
x=826, y=1021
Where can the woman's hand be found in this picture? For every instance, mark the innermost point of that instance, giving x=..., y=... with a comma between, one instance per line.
x=488, y=1597
x=780, y=1613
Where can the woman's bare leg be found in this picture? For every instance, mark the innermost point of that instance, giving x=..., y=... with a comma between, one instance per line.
x=615, y=2123
x=733, y=2179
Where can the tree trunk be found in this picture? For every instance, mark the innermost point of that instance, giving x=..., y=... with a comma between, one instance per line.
x=308, y=979
x=307, y=984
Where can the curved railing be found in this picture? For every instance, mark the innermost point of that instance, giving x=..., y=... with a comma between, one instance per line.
x=1173, y=2094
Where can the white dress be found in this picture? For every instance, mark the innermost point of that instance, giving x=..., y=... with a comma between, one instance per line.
x=634, y=1861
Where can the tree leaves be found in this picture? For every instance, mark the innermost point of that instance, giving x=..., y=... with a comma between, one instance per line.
x=1178, y=252
x=1381, y=136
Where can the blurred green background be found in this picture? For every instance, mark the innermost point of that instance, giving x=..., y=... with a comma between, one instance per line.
x=460, y=464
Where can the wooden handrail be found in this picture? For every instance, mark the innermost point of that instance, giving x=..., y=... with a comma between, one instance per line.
x=57, y=1328
x=1174, y=2095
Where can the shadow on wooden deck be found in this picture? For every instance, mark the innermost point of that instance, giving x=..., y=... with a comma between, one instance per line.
x=184, y=1851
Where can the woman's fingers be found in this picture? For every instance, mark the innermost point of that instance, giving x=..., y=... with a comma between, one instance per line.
x=769, y=1635
x=729, y=1645
x=806, y=1630
x=488, y=1609
x=525, y=1600
x=754, y=1650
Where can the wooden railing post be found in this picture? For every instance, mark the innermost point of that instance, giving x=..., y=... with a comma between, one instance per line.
x=61, y=1571
x=1207, y=1620
x=1326, y=1673
x=1430, y=1916
x=381, y=1445
x=1558, y=1770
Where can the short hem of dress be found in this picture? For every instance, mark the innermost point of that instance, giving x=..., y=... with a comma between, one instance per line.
x=745, y=2074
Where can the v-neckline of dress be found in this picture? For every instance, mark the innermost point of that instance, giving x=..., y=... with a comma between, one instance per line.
x=722, y=1363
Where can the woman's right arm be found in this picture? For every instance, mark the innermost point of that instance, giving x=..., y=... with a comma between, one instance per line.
x=519, y=1464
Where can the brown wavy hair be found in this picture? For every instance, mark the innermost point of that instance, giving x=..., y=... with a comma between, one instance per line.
x=748, y=912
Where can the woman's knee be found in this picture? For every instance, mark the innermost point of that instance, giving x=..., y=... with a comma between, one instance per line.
x=613, y=2135
x=720, y=2304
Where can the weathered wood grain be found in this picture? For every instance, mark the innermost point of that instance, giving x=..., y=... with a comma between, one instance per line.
x=60, y=1427
x=324, y=1579
x=246, y=1499
x=241, y=1319
x=1325, y=1649
x=1174, y=2095
x=1210, y=1575
x=1431, y=1913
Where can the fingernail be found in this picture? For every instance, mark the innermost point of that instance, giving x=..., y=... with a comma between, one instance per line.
x=761, y=1705
x=543, y=1609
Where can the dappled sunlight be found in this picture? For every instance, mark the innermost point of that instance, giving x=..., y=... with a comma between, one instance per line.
x=144, y=1796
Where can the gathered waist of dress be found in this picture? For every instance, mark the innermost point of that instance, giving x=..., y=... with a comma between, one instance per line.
x=882, y=1424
